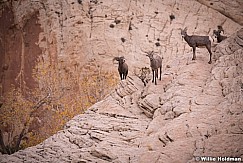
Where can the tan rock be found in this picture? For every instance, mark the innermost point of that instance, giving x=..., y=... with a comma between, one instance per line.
x=195, y=110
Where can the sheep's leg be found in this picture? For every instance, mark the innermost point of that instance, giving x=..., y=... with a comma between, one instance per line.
x=210, y=53
x=120, y=75
x=153, y=76
x=126, y=74
x=155, y=82
x=160, y=68
x=144, y=83
x=194, y=52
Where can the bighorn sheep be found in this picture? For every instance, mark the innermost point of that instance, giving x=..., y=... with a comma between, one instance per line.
x=122, y=67
x=197, y=41
x=143, y=74
x=155, y=63
x=217, y=34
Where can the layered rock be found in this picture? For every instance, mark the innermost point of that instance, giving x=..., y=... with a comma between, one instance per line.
x=198, y=114
x=195, y=110
x=231, y=9
x=202, y=110
x=75, y=33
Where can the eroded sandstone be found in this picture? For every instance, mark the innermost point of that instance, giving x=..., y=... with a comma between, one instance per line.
x=195, y=110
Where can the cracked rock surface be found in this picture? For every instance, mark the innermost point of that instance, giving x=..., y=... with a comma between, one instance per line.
x=231, y=9
x=195, y=110
x=199, y=114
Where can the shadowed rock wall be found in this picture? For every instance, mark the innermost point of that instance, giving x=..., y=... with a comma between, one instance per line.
x=195, y=110
x=73, y=34
x=231, y=9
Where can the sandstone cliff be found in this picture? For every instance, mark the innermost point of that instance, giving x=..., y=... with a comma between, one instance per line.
x=196, y=110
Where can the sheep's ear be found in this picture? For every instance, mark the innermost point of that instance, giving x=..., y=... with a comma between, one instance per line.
x=148, y=53
x=185, y=29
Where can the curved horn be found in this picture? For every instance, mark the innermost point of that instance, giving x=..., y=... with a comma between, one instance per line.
x=149, y=53
x=116, y=58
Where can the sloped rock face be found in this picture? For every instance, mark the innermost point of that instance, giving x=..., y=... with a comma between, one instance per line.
x=195, y=110
x=110, y=131
x=199, y=113
x=231, y=9
x=75, y=33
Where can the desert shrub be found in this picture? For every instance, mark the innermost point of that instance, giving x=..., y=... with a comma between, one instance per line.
x=29, y=116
